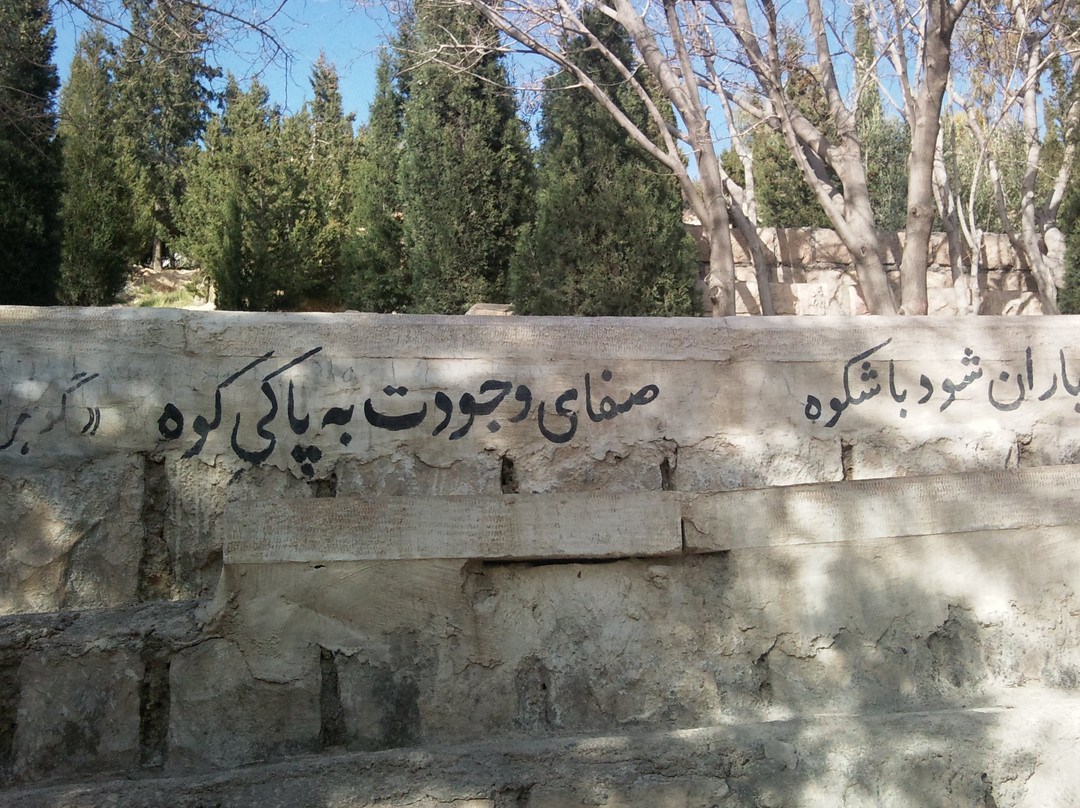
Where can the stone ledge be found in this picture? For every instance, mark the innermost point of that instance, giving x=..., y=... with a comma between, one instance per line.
x=513, y=526
x=550, y=526
x=887, y=508
x=1018, y=750
x=76, y=632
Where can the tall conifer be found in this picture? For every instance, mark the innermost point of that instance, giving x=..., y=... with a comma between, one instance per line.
x=608, y=237
x=376, y=278
x=29, y=172
x=466, y=166
x=164, y=102
x=321, y=138
x=240, y=206
x=99, y=241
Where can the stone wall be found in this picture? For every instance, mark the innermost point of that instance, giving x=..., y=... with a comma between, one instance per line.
x=813, y=273
x=553, y=562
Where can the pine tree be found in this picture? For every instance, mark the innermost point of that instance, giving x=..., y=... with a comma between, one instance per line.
x=240, y=208
x=466, y=167
x=373, y=256
x=608, y=237
x=164, y=101
x=29, y=172
x=99, y=242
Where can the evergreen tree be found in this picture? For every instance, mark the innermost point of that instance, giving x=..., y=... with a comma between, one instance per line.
x=885, y=141
x=375, y=275
x=99, y=242
x=164, y=102
x=240, y=210
x=608, y=238
x=323, y=135
x=466, y=167
x=784, y=199
x=29, y=172
x=1069, y=219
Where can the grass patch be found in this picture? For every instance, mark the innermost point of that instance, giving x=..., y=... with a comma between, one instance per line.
x=147, y=298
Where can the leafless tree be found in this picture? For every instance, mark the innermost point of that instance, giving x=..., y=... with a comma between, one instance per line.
x=706, y=55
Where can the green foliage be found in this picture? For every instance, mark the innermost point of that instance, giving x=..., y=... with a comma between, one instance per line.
x=784, y=199
x=321, y=137
x=99, y=244
x=241, y=208
x=375, y=276
x=29, y=171
x=1069, y=221
x=164, y=96
x=608, y=237
x=885, y=145
x=466, y=167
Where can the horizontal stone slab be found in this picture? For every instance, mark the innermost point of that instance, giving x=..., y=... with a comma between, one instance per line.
x=498, y=527
x=889, y=508
x=304, y=391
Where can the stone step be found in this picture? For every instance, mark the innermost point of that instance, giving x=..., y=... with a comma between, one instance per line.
x=1017, y=750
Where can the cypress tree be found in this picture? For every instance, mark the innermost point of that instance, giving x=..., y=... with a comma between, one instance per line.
x=322, y=137
x=466, y=166
x=164, y=98
x=608, y=237
x=375, y=275
x=99, y=243
x=29, y=168
x=240, y=207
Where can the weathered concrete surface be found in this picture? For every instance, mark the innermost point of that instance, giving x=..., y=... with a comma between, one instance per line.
x=506, y=526
x=72, y=536
x=864, y=510
x=827, y=637
x=86, y=692
x=1010, y=753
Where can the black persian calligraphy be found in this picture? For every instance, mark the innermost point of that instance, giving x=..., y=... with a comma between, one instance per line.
x=396, y=408
x=862, y=381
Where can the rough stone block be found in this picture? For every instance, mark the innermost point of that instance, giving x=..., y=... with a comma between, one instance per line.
x=938, y=251
x=998, y=252
x=796, y=246
x=890, y=250
x=746, y=298
x=221, y=715
x=193, y=499
x=829, y=249
x=72, y=536
x=77, y=715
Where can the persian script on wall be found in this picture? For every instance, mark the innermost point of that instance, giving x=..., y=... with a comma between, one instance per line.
x=301, y=391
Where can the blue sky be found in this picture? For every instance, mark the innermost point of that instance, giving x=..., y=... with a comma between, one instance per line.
x=349, y=35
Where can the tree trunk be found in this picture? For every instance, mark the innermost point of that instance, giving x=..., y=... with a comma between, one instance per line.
x=720, y=279
x=757, y=255
x=924, y=139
